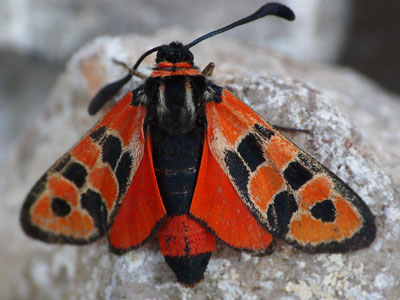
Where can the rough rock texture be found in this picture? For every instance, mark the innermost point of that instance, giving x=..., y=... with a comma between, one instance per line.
x=353, y=131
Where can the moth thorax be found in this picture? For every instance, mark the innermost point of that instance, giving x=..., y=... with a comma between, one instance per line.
x=176, y=105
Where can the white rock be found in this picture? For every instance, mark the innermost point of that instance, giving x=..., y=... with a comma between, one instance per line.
x=327, y=101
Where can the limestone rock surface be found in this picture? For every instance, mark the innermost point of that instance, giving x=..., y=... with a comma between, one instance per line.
x=353, y=128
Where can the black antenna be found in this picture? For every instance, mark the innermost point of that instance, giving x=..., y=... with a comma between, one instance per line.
x=147, y=53
x=108, y=91
x=275, y=9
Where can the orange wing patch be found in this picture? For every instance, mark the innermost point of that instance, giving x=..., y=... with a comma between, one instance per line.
x=260, y=190
x=292, y=195
x=76, y=199
x=280, y=151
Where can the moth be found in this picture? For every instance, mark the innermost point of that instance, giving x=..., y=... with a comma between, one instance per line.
x=183, y=156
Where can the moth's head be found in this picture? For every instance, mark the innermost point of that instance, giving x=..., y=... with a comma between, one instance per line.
x=175, y=52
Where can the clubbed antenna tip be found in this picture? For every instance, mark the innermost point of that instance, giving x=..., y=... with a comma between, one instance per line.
x=269, y=9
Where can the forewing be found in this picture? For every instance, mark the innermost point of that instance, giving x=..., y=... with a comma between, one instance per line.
x=291, y=194
x=76, y=199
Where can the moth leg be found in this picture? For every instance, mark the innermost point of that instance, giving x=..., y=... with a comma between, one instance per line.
x=208, y=70
x=131, y=71
x=292, y=130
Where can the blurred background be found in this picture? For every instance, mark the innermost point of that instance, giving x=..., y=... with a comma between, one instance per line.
x=38, y=36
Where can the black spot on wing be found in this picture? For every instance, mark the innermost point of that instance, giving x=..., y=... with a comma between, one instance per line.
x=237, y=169
x=98, y=134
x=76, y=173
x=60, y=207
x=280, y=213
x=265, y=132
x=123, y=171
x=296, y=175
x=94, y=204
x=324, y=211
x=111, y=149
x=251, y=151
